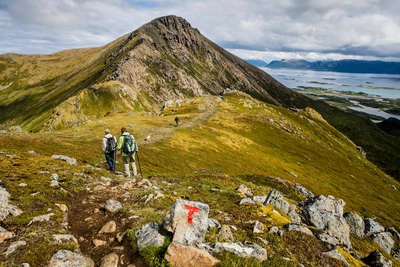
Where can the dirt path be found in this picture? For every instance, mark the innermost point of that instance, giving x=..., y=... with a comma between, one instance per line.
x=87, y=216
x=209, y=106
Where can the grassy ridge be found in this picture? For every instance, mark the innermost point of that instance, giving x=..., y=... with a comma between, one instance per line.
x=220, y=143
x=239, y=141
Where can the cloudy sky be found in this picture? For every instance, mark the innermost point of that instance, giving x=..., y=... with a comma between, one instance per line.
x=251, y=29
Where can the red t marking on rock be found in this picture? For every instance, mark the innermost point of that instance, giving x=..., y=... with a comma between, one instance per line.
x=191, y=211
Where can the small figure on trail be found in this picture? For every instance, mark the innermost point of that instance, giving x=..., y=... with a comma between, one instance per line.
x=109, y=145
x=128, y=146
x=176, y=121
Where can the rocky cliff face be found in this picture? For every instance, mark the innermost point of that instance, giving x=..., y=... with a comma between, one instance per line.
x=170, y=60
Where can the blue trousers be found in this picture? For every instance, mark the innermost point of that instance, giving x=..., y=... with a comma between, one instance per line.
x=110, y=160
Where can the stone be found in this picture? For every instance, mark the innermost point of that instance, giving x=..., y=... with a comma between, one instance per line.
x=109, y=227
x=4, y=234
x=273, y=230
x=112, y=205
x=258, y=227
x=276, y=199
x=372, y=227
x=213, y=223
x=110, y=260
x=14, y=210
x=59, y=238
x=335, y=254
x=166, y=223
x=189, y=222
x=71, y=161
x=303, y=190
x=54, y=176
x=245, y=190
x=326, y=213
x=41, y=218
x=243, y=250
x=54, y=183
x=293, y=215
x=148, y=235
x=376, y=259
x=299, y=228
x=260, y=199
x=62, y=207
x=98, y=242
x=337, y=233
x=15, y=129
x=246, y=200
x=356, y=224
x=13, y=247
x=66, y=258
x=384, y=240
x=226, y=233
x=193, y=257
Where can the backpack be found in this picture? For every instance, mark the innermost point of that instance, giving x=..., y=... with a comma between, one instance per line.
x=129, y=145
x=111, y=144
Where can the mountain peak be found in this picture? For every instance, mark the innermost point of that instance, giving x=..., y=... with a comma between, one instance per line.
x=172, y=22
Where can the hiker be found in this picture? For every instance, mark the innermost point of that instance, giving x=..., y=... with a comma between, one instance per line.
x=128, y=147
x=109, y=145
x=176, y=121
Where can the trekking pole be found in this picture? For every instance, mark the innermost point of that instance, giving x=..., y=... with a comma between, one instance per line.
x=115, y=160
x=140, y=169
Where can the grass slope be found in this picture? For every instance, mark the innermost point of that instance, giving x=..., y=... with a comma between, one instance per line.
x=220, y=143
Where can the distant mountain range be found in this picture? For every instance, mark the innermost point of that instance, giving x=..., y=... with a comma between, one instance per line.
x=346, y=65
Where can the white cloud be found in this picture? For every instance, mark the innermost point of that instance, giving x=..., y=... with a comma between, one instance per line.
x=338, y=28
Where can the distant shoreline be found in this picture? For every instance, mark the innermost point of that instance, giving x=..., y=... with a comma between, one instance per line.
x=345, y=66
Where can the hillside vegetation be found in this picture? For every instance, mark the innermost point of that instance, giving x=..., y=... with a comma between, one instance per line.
x=221, y=142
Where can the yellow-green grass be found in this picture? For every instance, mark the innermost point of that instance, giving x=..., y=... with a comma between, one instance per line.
x=219, y=144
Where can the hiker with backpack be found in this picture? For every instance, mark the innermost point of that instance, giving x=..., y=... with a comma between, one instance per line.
x=109, y=145
x=128, y=146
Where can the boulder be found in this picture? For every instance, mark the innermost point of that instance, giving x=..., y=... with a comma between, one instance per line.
x=372, y=227
x=376, y=259
x=189, y=222
x=183, y=256
x=148, y=235
x=384, y=240
x=276, y=199
x=326, y=213
x=356, y=224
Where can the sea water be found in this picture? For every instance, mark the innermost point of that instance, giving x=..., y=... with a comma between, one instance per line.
x=381, y=85
x=378, y=85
